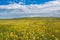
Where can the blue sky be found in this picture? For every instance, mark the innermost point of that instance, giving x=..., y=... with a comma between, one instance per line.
x=29, y=8
x=5, y=2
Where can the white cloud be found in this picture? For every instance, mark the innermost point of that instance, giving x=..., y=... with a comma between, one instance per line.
x=21, y=3
x=49, y=9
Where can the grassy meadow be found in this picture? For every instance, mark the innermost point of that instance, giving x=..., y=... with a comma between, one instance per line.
x=30, y=29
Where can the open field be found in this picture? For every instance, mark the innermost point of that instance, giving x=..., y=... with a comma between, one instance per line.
x=30, y=29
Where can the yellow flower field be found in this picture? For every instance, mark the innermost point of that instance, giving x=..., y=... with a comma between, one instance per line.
x=30, y=29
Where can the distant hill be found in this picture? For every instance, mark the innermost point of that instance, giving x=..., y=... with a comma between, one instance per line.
x=28, y=18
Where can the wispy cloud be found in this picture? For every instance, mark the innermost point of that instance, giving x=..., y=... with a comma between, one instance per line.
x=49, y=9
